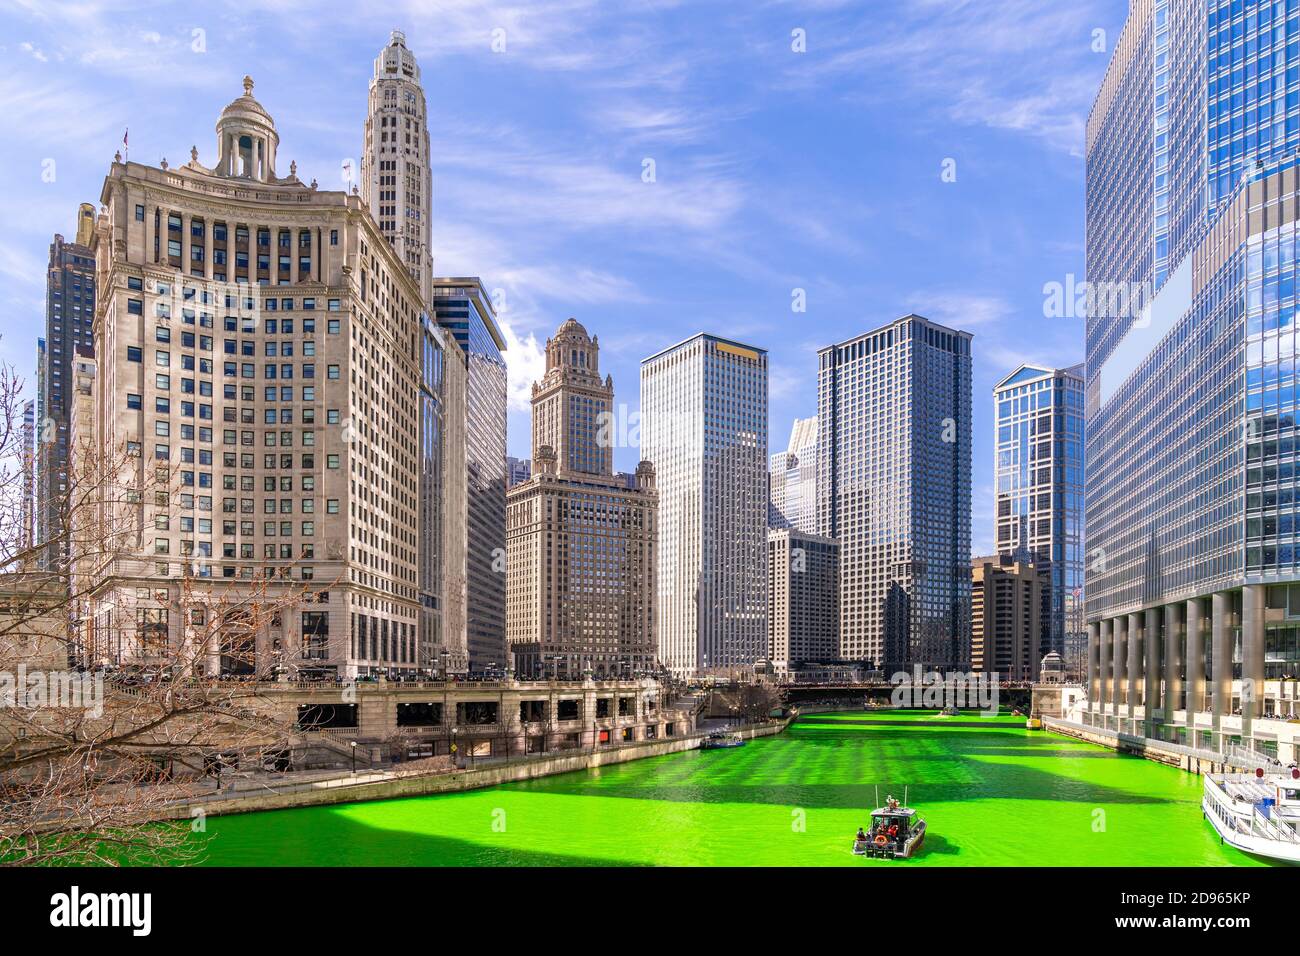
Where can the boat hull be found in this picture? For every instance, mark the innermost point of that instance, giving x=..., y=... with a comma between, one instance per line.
x=1249, y=843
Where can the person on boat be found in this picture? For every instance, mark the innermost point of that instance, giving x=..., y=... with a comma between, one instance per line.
x=893, y=831
x=861, y=837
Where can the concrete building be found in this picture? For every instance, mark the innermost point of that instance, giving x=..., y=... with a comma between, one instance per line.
x=581, y=543
x=894, y=487
x=1192, y=580
x=1006, y=616
x=463, y=308
x=27, y=514
x=803, y=594
x=792, y=480
x=1038, y=477
x=518, y=470
x=396, y=179
x=704, y=425
x=258, y=343
x=69, y=309
x=397, y=187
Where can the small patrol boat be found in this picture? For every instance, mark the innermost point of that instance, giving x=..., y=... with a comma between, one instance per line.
x=896, y=832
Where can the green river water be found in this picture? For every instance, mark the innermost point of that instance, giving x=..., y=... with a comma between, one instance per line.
x=992, y=792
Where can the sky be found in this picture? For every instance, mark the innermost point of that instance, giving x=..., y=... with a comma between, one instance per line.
x=871, y=158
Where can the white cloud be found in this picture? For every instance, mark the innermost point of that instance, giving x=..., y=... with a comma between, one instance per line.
x=525, y=364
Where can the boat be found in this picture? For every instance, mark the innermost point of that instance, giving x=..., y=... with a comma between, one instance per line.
x=1257, y=813
x=896, y=832
x=720, y=741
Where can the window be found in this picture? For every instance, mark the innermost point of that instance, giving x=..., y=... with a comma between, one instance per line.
x=133, y=353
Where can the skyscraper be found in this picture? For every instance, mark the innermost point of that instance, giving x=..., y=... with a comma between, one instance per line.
x=581, y=542
x=462, y=307
x=792, y=480
x=396, y=179
x=245, y=346
x=1006, y=617
x=27, y=532
x=893, y=487
x=803, y=593
x=69, y=311
x=397, y=186
x=1191, y=393
x=517, y=470
x=1038, y=476
x=704, y=425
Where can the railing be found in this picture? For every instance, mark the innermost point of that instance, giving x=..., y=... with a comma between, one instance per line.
x=1250, y=759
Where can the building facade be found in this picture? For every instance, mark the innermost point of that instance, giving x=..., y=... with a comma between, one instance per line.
x=397, y=187
x=581, y=542
x=704, y=425
x=27, y=513
x=803, y=595
x=1190, y=395
x=894, y=486
x=518, y=470
x=792, y=480
x=1038, y=481
x=1007, y=606
x=463, y=309
x=396, y=179
x=258, y=343
x=69, y=313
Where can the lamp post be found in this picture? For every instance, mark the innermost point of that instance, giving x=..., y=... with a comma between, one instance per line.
x=354, y=757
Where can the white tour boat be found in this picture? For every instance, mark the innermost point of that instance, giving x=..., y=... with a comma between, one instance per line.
x=1257, y=813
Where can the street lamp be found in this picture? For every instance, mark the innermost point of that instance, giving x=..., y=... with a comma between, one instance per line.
x=354, y=756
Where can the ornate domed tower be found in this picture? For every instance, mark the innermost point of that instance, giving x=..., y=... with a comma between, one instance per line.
x=572, y=405
x=246, y=139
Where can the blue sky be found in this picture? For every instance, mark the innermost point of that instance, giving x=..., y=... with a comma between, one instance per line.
x=775, y=170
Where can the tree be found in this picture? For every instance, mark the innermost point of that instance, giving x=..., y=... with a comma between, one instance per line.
x=124, y=691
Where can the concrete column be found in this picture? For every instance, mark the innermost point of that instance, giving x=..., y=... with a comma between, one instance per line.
x=149, y=233
x=1175, y=635
x=1252, y=657
x=1104, y=666
x=1152, y=665
x=1133, y=641
x=1119, y=664
x=1195, y=660
x=1220, y=661
x=1093, y=641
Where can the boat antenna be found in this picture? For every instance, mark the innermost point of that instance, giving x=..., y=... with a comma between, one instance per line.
x=877, y=794
x=904, y=794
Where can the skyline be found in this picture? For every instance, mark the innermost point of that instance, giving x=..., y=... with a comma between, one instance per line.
x=538, y=157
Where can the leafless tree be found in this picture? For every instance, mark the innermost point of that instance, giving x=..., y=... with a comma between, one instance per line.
x=122, y=696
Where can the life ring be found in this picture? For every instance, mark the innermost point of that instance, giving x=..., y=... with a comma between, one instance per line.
x=880, y=839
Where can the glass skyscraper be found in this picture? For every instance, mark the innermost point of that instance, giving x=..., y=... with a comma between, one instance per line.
x=462, y=307
x=1038, y=474
x=1193, y=586
x=792, y=480
x=704, y=425
x=893, y=487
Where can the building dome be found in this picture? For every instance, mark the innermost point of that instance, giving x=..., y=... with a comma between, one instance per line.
x=247, y=106
x=246, y=139
x=570, y=327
